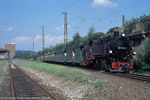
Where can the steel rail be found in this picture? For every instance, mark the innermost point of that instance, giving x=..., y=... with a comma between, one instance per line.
x=40, y=88
x=131, y=76
x=12, y=93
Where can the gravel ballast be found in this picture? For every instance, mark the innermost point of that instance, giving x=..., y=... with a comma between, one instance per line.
x=4, y=82
x=116, y=88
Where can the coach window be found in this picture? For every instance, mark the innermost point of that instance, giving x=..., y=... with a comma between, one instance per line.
x=73, y=53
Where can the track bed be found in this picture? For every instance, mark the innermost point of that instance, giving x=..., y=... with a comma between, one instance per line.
x=23, y=87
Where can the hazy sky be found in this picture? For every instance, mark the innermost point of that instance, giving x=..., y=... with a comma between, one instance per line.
x=21, y=20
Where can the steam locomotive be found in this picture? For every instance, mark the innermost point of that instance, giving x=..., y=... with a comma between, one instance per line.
x=110, y=53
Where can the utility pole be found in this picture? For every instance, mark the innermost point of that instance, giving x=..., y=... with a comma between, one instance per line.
x=33, y=46
x=123, y=21
x=30, y=51
x=43, y=43
x=65, y=28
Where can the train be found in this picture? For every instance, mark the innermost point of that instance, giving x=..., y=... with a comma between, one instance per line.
x=111, y=53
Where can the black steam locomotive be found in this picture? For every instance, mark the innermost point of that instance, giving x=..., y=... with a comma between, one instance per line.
x=110, y=53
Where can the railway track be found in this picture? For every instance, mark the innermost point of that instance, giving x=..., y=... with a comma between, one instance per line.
x=24, y=88
x=126, y=75
x=131, y=76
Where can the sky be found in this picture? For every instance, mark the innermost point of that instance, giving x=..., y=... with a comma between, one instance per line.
x=22, y=20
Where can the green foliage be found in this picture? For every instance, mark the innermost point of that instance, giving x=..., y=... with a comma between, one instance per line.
x=57, y=48
x=141, y=72
x=97, y=35
x=24, y=55
x=77, y=41
x=91, y=31
x=111, y=30
x=142, y=58
x=130, y=25
x=66, y=73
x=145, y=19
x=45, y=50
x=60, y=71
x=98, y=83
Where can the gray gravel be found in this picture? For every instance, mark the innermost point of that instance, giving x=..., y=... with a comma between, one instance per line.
x=17, y=61
x=119, y=88
x=4, y=83
x=116, y=88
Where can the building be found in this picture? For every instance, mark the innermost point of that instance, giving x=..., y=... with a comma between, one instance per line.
x=4, y=54
x=11, y=47
x=138, y=34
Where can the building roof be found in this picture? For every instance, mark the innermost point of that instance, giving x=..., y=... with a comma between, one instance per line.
x=3, y=50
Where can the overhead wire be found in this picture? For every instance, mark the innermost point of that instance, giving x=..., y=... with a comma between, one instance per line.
x=71, y=5
x=53, y=21
x=56, y=18
x=130, y=17
x=127, y=7
x=84, y=20
x=109, y=16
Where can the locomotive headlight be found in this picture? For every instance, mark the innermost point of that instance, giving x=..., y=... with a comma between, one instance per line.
x=65, y=54
x=134, y=53
x=123, y=35
x=110, y=51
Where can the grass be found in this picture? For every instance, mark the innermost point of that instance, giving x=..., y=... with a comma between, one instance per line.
x=142, y=73
x=66, y=73
x=98, y=83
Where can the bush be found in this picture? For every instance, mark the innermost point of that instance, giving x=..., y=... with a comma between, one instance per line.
x=142, y=59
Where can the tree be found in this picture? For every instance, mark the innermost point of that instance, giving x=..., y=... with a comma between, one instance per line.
x=97, y=35
x=76, y=39
x=111, y=30
x=131, y=24
x=91, y=31
x=145, y=19
x=76, y=36
x=25, y=55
